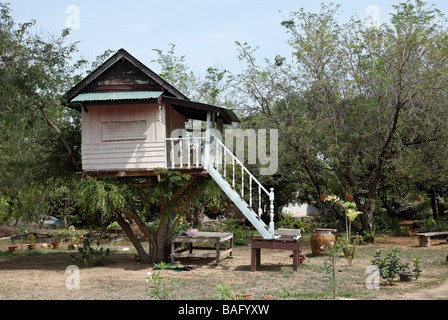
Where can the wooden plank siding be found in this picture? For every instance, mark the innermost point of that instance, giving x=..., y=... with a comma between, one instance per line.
x=103, y=153
x=122, y=76
x=174, y=120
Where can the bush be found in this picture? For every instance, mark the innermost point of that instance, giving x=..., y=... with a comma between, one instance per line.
x=390, y=265
x=89, y=256
x=293, y=223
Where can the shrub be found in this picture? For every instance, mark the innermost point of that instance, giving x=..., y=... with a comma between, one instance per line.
x=89, y=256
x=390, y=265
x=163, y=288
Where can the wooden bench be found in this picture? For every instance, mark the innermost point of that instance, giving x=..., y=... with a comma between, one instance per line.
x=425, y=237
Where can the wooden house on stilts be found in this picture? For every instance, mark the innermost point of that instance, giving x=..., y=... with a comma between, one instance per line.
x=133, y=123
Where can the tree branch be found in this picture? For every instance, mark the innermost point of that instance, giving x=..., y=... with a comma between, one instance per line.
x=61, y=136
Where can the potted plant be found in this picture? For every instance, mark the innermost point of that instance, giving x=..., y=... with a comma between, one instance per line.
x=73, y=238
x=32, y=239
x=22, y=231
x=349, y=247
x=405, y=276
x=244, y=296
x=390, y=265
x=55, y=243
x=420, y=199
x=13, y=247
x=214, y=206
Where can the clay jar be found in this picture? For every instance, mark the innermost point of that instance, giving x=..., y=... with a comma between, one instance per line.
x=321, y=240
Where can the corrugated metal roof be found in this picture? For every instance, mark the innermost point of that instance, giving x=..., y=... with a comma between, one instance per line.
x=104, y=96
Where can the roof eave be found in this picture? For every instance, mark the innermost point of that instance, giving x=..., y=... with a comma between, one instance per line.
x=228, y=115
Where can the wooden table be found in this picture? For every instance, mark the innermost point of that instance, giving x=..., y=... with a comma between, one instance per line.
x=216, y=238
x=282, y=243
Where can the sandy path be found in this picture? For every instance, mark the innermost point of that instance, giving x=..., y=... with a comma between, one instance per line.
x=439, y=293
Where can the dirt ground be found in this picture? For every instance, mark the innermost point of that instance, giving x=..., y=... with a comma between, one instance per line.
x=44, y=277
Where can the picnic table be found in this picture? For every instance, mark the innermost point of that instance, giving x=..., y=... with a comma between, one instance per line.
x=215, y=238
x=425, y=237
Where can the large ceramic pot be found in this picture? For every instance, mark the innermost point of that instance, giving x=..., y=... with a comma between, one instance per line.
x=321, y=240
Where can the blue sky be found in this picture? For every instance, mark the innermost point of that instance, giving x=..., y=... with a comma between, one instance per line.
x=204, y=31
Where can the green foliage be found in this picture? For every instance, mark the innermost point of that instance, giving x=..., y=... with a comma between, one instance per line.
x=288, y=222
x=89, y=256
x=416, y=271
x=434, y=225
x=163, y=288
x=357, y=104
x=100, y=195
x=349, y=247
x=242, y=234
x=331, y=273
x=113, y=225
x=224, y=292
x=390, y=265
x=35, y=71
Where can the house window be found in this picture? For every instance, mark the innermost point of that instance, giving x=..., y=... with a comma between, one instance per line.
x=123, y=130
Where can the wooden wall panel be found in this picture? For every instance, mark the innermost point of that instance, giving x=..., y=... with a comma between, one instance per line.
x=129, y=152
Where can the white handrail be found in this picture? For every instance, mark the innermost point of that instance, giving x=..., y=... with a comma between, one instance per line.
x=242, y=166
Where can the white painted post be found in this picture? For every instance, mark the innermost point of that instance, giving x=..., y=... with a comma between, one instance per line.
x=250, y=192
x=271, y=223
x=172, y=154
x=242, y=182
x=198, y=147
x=181, y=149
x=225, y=163
x=207, y=140
x=189, y=141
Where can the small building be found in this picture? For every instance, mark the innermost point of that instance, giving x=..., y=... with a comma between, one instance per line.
x=128, y=115
x=133, y=123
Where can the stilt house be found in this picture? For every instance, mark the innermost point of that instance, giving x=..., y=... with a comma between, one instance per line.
x=133, y=123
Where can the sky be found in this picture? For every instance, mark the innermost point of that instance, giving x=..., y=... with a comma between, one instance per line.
x=204, y=31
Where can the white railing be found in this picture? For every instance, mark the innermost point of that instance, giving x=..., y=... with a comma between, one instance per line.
x=242, y=180
x=185, y=152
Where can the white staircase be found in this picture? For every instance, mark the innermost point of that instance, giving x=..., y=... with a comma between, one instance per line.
x=243, y=189
x=217, y=165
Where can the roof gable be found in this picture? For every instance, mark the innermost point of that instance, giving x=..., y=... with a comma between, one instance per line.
x=122, y=78
x=123, y=72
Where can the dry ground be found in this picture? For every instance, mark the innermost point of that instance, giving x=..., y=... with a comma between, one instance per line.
x=42, y=276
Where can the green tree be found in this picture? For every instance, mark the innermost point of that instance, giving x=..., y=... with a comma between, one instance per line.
x=356, y=98
x=163, y=204
x=39, y=140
